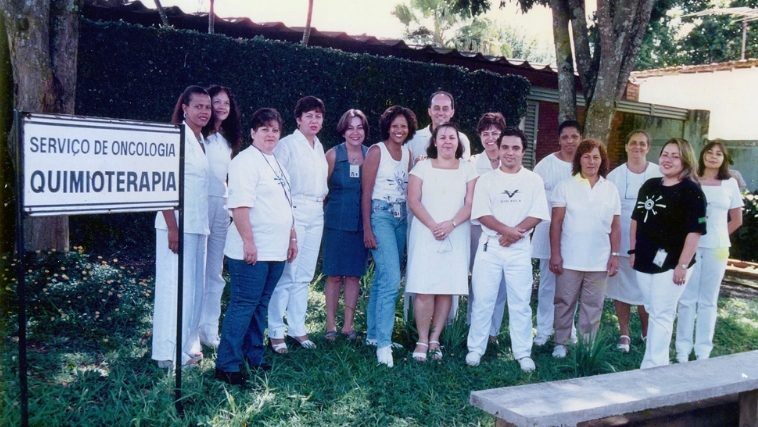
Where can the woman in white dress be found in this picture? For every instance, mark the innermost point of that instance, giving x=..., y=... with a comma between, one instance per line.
x=440, y=191
x=622, y=288
x=223, y=136
x=723, y=217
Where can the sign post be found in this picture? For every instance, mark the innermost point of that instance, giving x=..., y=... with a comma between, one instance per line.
x=69, y=165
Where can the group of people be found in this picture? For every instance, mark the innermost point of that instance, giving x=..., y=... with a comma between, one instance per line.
x=289, y=200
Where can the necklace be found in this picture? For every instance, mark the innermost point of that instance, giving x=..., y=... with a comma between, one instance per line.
x=496, y=159
x=280, y=177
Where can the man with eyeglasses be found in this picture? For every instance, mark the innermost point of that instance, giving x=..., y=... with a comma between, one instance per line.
x=441, y=110
x=552, y=169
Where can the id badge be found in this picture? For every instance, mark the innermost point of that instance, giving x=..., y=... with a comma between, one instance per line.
x=660, y=257
x=396, y=211
x=355, y=171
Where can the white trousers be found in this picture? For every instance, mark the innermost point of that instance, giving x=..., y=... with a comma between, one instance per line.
x=513, y=265
x=214, y=264
x=545, y=299
x=165, y=308
x=497, y=315
x=661, y=296
x=700, y=299
x=291, y=293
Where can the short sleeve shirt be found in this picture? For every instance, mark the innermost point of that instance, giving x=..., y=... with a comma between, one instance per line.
x=510, y=198
x=720, y=199
x=665, y=215
x=586, y=228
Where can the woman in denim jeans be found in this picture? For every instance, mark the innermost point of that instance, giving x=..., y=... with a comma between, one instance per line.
x=384, y=186
x=257, y=245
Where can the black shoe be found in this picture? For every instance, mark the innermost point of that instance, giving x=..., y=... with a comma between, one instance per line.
x=234, y=378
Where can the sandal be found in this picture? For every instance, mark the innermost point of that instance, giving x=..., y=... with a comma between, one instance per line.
x=330, y=335
x=419, y=356
x=306, y=343
x=436, y=353
x=351, y=335
x=280, y=348
x=624, y=348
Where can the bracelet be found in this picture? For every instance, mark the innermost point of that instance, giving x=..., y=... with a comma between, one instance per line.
x=630, y=252
x=294, y=239
x=615, y=253
x=454, y=224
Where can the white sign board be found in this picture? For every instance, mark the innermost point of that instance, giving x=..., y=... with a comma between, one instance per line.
x=84, y=165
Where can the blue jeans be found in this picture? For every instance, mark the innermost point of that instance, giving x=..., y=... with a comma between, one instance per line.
x=390, y=233
x=245, y=319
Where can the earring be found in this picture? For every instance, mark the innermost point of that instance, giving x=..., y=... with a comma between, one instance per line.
x=185, y=114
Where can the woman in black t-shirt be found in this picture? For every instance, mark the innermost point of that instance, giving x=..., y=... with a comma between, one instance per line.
x=667, y=223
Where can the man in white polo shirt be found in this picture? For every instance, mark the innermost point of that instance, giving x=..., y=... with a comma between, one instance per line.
x=508, y=203
x=552, y=169
x=441, y=110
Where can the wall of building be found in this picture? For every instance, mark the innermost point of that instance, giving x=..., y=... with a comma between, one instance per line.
x=730, y=95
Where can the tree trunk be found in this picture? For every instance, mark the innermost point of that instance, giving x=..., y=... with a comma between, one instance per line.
x=162, y=13
x=307, y=31
x=211, y=19
x=43, y=38
x=564, y=60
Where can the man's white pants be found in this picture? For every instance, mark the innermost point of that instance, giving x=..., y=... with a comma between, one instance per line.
x=214, y=283
x=661, y=296
x=490, y=268
x=497, y=315
x=700, y=299
x=291, y=293
x=545, y=300
x=165, y=308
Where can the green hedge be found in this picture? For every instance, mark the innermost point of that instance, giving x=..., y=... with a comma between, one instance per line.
x=134, y=72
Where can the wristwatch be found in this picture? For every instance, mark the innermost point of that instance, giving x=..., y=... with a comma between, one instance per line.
x=615, y=253
x=684, y=266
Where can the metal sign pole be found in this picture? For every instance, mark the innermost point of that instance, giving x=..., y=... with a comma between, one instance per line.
x=21, y=268
x=180, y=279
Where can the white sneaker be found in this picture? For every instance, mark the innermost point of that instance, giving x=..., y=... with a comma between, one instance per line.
x=559, y=351
x=541, y=340
x=473, y=358
x=384, y=355
x=527, y=364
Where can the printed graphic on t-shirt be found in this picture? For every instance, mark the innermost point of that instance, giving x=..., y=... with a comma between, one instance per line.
x=400, y=180
x=510, y=196
x=650, y=204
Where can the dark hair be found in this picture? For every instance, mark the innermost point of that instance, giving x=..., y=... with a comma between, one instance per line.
x=231, y=127
x=640, y=131
x=264, y=116
x=687, y=157
x=586, y=146
x=431, y=150
x=184, y=99
x=344, y=122
x=570, y=124
x=723, y=172
x=513, y=131
x=442, y=92
x=491, y=119
x=309, y=103
x=389, y=115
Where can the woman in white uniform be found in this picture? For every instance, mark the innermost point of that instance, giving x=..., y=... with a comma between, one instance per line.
x=302, y=154
x=194, y=110
x=223, y=136
x=489, y=128
x=622, y=288
x=440, y=191
x=723, y=217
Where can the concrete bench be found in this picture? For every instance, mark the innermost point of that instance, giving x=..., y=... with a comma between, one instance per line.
x=570, y=402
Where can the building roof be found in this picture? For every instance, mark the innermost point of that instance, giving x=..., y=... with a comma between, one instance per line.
x=691, y=69
x=541, y=75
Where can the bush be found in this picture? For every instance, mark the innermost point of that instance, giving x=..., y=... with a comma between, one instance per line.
x=744, y=241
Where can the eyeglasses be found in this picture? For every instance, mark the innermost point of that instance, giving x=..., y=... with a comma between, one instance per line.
x=487, y=134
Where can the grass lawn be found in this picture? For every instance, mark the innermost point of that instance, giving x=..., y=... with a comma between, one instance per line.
x=89, y=361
